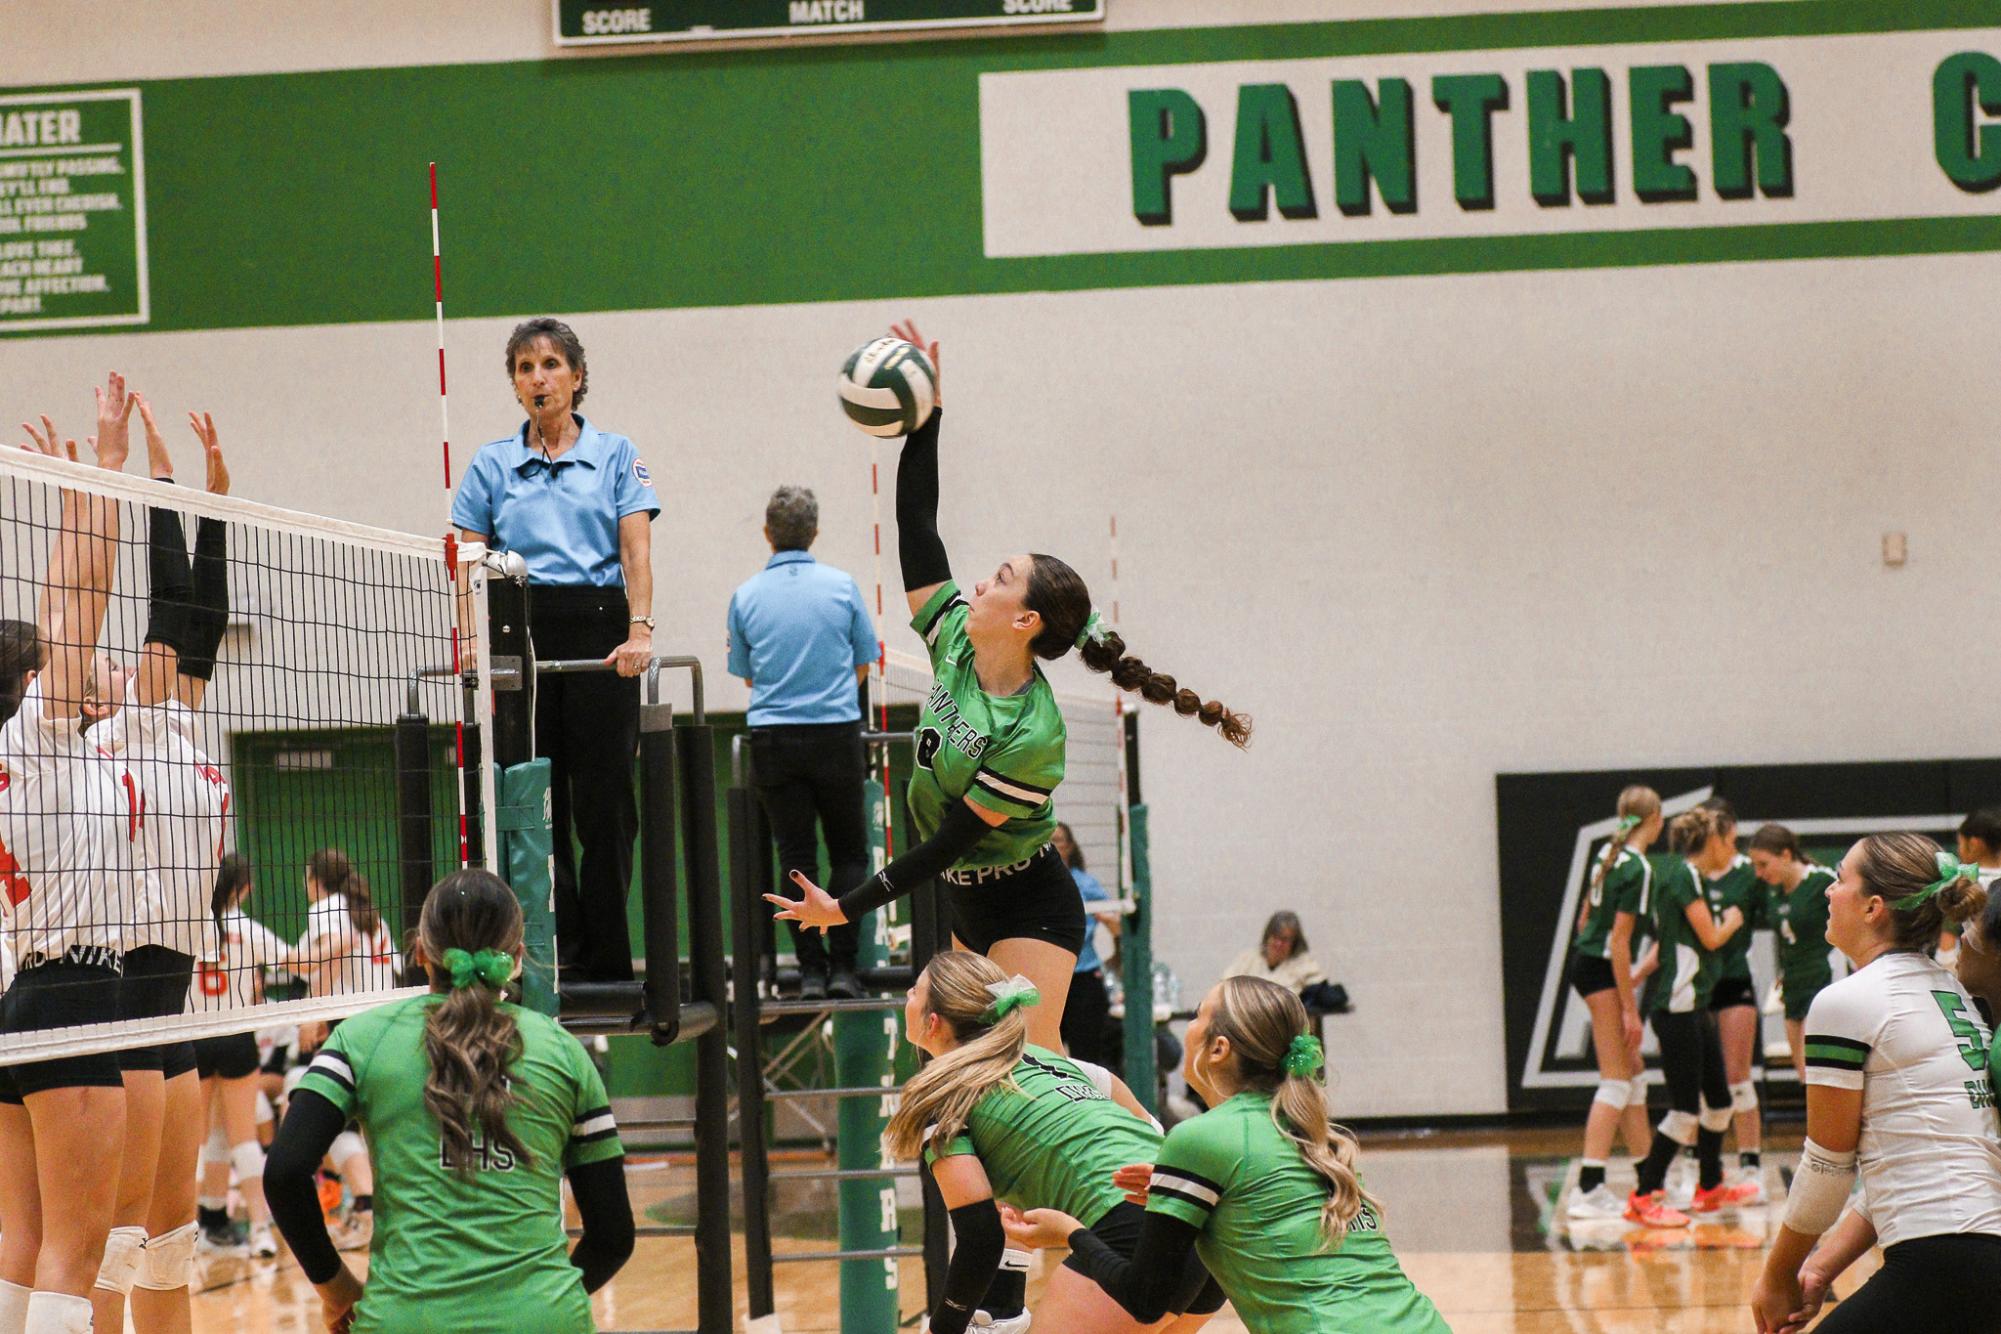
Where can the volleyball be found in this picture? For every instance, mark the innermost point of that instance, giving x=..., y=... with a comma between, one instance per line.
x=888, y=387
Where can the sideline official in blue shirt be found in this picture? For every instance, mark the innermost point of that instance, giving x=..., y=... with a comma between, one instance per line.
x=1088, y=1010
x=577, y=504
x=800, y=637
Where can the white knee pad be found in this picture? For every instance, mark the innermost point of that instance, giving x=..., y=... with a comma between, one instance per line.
x=247, y=1160
x=1638, y=1097
x=345, y=1146
x=1744, y=1097
x=1716, y=1120
x=58, y=1313
x=215, y=1149
x=170, y=1260
x=13, y=1307
x=1679, y=1127
x=265, y=1116
x=122, y=1249
x=1614, y=1093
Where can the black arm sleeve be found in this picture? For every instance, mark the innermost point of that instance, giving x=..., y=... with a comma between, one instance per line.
x=975, y=1261
x=208, y=613
x=918, y=545
x=957, y=833
x=311, y=1122
x=607, y=1216
x=1147, y=1284
x=167, y=574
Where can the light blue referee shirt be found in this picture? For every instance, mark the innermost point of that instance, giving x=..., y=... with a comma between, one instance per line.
x=1090, y=891
x=798, y=629
x=562, y=518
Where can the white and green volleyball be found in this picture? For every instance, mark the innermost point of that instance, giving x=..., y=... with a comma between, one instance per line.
x=888, y=387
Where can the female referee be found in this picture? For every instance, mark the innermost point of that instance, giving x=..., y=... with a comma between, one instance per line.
x=1797, y=906
x=69, y=821
x=1262, y=1189
x=476, y=1110
x=996, y=1117
x=145, y=718
x=990, y=746
x=1602, y=972
x=1691, y=1061
x=1898, y=1086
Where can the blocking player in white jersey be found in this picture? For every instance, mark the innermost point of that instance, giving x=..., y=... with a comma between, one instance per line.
x=145, y=717
x=69, y=820
x=1898, y=1084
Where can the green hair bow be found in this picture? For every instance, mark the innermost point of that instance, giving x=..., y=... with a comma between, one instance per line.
x=493, y=967
x=1305, y=1058
x=1012, y=994
x=1950, y=868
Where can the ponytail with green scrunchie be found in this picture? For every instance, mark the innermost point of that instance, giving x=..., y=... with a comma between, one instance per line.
x=1305, y=1058
x=1010, y=995
x=493, y=967
x=1950, y=868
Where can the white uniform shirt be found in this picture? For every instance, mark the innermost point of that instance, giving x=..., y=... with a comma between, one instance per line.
x=1905, y=1032
x=186, y=801
x=229, y=981
x=70, y=823
x=341, y=959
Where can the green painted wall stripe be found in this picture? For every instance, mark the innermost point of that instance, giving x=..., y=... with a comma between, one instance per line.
x=737, y=179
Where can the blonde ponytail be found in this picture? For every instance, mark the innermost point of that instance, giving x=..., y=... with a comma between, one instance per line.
x=1637, y=805
x=937, y=1101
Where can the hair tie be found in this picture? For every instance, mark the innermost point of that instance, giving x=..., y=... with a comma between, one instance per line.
x=1305, y=1058
x=1094, y=631
x=1950, y=868
x=1628, y=823
x=1012, y=994
x=493, y=967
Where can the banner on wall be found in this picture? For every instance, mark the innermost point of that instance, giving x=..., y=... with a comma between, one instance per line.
x=1488, y=143
x=72, y=210
x=1552, y=824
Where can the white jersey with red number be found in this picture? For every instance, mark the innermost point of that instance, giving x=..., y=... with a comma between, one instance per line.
x=339, y=958
x=229, y=982
x=186, y=801
x=70, y=824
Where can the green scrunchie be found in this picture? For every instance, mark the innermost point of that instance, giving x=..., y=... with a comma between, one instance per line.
x=1008, y=997
x=1304, y=1059
x=1628, y=823
x=1950, y=868
x=1094, y=629
x=493, y=967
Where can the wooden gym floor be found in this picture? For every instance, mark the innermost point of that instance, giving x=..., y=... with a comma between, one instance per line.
x=1471, y=1215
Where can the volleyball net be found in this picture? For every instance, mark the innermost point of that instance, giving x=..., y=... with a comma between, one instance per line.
x=126, y=785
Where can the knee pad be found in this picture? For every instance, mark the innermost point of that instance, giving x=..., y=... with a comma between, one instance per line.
x=1744, y=1097
x=215, y=1149
x=247, y=1160
x=265, y=1116
x=1679, y=1127
x=1614, y=1093
x=122, y=1250
x=1715, y=1120
x=14, y=1306
x=345, y=1146
x=1638, y=1097
x=170, y=1260
x=58, y=1313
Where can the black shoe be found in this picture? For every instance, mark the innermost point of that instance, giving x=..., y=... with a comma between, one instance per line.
x=812, y=984
x=844, y=985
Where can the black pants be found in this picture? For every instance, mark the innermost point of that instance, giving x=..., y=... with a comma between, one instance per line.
x=1692, y=1066
x=588, y=728
x=1085, y=1015
x=808, y=773
x=1928, y=1283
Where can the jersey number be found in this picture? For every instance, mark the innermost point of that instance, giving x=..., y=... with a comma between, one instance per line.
x=12, y=882
x=1972, y=1047
x=214, y=981
x=928, y=742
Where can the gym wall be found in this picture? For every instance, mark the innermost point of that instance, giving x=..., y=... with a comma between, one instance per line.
x=1435, y=490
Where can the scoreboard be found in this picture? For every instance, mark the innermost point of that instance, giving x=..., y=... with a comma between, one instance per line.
x=594, y=22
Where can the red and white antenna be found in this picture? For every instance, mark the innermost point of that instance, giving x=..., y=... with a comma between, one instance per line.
x=1119, y=736
x=438, y=288
x=451, y=537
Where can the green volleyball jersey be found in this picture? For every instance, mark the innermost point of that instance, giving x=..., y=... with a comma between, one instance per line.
x=1739, y=888
x=457, y=1255
x=1051, y=1140
x=1688, y=972
x=1004, y=754
x=1232, y=1173
x=1628, y=888
x=1805, y=962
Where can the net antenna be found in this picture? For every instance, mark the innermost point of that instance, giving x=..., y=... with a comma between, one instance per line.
x=460, y=666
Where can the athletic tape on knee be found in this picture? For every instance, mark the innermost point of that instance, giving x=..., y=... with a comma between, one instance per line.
x=265, y=1116
x=1638, y=1096
x=1819, y=1190
x=170, y=1260
x=58, y=1313
x=1614, y=1093
x=345, y=1146
x=1744, y=1097
x=1716, y=1120
x=1679, y=1127
x=247, y=1160
x=123, y=1247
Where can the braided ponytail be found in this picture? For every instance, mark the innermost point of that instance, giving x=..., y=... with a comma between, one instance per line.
x=1058, y=595
x=1637, y=805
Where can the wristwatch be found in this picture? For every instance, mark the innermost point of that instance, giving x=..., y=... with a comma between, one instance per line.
x=646, y=621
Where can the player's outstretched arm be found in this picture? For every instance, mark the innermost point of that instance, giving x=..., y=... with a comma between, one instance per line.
x=918, y=547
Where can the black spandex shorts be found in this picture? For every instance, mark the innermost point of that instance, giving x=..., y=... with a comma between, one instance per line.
x=156, y=984
x=1943, y=1282
x=233, y=1056
x=1036, y=899
x=1120, y=1230
x=1590, y=975
x=58, y=994
x=1732, y=992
